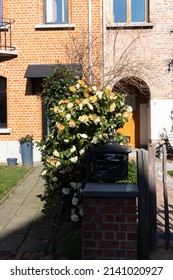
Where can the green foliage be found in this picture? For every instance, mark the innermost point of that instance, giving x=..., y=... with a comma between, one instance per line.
x=132, y=172
x=55, y=88
x=27, y=138
x=170, y=173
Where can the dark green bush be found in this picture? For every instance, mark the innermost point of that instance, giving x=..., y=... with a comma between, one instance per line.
x=71, y=246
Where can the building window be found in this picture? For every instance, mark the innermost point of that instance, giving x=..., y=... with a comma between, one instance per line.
x=130, y=11
x=3, y=103
x=56, y=11
x=0, y=10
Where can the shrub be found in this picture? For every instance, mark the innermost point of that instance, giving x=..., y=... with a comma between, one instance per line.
x=79, y=120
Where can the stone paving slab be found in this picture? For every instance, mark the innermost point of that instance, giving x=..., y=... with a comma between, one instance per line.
x=11, y=242
x=26, y=224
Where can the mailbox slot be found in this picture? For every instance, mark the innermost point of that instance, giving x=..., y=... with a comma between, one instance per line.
x=109, y=167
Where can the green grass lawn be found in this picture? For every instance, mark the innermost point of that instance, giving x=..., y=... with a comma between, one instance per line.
x=10, y=176
x=170, y=173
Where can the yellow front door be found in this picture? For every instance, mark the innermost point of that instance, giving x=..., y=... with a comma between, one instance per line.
x=129, y=130
x=132, y=130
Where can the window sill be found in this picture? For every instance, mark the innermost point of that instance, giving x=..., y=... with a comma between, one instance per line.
x=132, y=25
x=55, y=26
x=5, y=130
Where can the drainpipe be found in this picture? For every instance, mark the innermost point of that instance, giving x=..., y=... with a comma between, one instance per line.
x=104, y=37
x=90, y=40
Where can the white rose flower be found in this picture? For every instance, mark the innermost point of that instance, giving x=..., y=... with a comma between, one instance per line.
x=94, y=140
x=74, y=218
x=70, y=105
x=73, y=185
x=51, y=187
x=90, y=106
x=74, y=159
x=81, y=152
x=65, y=191
x=129, y=109
x=66, y=141
x=68, y=116
x=56, y=153
x=44, y=173
x=99, y=94
x=58, y=163
x=73, y=149
x=73, y=211
x=97, y=120
x=94, y=88
x=75, y=201
x=81, y=106
x=83, y=135
x=77, y=86
x=54, y=179
x=81, y=212
x=79, y=185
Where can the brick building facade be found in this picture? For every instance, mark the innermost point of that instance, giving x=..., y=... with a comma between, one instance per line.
x=37, y=38
x=143, y=30
x=38, y=33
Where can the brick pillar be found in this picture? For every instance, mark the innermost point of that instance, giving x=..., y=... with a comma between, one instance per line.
x=110, y=221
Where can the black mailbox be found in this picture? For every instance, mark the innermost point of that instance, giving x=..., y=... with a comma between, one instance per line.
x=109, y=162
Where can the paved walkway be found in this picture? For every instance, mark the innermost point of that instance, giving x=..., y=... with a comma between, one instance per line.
x=28, y=225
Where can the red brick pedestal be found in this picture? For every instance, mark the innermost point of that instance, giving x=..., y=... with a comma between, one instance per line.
x=110, y=221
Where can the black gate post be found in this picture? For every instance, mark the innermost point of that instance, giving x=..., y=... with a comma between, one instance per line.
x=143, y=209
x=152, y=197
x=165, y=195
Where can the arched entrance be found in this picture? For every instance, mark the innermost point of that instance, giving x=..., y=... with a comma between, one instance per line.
x=138, y=95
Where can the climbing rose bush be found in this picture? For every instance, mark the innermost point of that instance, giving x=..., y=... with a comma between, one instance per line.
x=81, y=121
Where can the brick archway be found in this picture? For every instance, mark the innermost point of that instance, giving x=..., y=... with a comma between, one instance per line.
x=138, y=96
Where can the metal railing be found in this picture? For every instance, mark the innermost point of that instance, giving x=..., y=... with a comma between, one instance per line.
x=6, y=34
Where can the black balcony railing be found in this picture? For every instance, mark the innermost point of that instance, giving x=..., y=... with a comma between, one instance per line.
x=6, y=34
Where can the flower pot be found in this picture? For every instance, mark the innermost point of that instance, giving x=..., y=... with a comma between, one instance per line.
x=27, y=153
x=11, y=161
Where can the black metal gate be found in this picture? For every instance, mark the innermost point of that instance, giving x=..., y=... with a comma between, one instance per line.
x=147, y=201
x=148, y=211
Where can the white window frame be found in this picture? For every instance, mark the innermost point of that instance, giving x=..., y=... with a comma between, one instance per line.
x=51, y=11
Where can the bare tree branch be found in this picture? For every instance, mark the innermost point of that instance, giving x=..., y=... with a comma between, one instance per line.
x=124, y=69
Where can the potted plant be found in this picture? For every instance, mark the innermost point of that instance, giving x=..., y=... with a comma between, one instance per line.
x=26, y=148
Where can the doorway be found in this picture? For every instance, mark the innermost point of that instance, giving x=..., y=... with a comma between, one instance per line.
x=137, y=96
